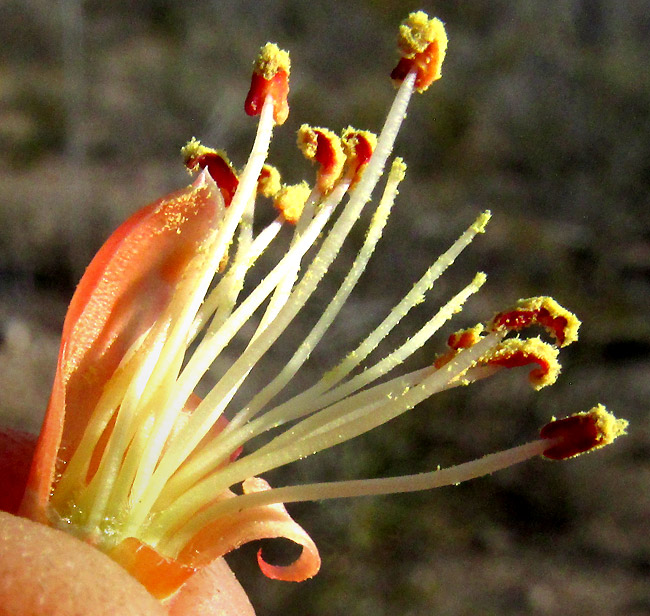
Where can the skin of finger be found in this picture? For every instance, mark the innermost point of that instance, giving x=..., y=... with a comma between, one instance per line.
x=213, y=591
x=45, y=572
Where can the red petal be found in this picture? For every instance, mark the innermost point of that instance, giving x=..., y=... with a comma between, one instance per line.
x=16, y=451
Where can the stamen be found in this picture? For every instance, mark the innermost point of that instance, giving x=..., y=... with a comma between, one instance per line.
x=213, y=405
x=387, y=485
x=190, y=303
x=329, y=314
x=569, y=437
x=349, y=418
x=202, y=464
x=512, y=353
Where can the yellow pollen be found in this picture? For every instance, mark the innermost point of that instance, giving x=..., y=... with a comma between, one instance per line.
x=418, y=31
x=269, y=183
x=290, y=200
x=271, y=60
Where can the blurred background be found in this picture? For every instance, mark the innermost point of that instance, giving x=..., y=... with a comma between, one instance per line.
x=543, y=116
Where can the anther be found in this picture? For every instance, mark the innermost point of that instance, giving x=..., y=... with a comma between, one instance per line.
x=462, y=339
x=423, y=44
x=358, y=146
x=515, y=353
x=197, y=156
x=543, y=311
x=269, y=184
x=290, y=201
x=270, y=77
x=581, y=433
x=324, y=147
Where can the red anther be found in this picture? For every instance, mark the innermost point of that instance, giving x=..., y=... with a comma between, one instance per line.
x=515, y=353
x=544, y=311
x=358, y=146
x=197, y=156
x=519, y=319
x=220, y=170
x=290, y=201
x=581, y=432
x=517, y=359
x=270, y=77
x=465, y=338
x=323, y=146
x=426, y=64
x=423, y=44
x=269, y=184
x=277, y=87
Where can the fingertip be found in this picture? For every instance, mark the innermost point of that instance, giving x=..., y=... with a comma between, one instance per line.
x=45, y=572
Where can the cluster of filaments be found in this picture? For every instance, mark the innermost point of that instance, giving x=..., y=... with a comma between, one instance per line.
x=163, y=468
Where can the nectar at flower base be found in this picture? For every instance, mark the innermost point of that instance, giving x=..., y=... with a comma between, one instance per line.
x=132, y=461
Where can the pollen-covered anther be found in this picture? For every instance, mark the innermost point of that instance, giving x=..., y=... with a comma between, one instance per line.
x=269, y=183
x=358, y=146
x=462, y=339
x=423, y=44
x=270, y=77
x=324, y=147
x=290, y=201
x=581, y=433
x=197, y=156
x=516, y=352
x=543, y=311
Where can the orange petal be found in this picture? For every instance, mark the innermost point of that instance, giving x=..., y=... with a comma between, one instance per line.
x=125, y=288
x=159, y=575
x=266, y=522
x=210, y=592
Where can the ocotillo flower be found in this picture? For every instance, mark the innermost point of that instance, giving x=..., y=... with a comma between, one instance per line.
x=133, y=462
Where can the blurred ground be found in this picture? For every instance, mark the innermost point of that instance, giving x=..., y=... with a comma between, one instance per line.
x=543, y=116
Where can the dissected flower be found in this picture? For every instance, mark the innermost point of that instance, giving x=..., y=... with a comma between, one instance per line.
x=132, y=461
